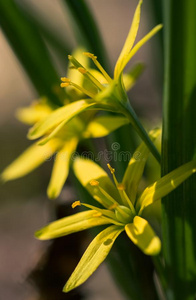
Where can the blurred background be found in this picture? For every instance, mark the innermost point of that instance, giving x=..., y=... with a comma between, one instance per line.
x=24, y=205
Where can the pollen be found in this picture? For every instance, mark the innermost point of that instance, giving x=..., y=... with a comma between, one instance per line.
x=112, y=170
x=64, y=84
x=82, y=70
x=94, y=182
x=121, y=187
x=65, y=79
x=90, y=55
x=76, y=203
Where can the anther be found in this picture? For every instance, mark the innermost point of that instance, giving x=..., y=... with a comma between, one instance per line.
x=121, y=187
x=90, y=55
x=64, y=84
x=76, y=203
x=82, y=70
x=65, y=79
x=112, y=170
x=94, y=182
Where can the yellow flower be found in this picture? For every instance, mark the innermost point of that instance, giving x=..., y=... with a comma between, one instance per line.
x=63, y=143
x=103, y=92
x=122, y=209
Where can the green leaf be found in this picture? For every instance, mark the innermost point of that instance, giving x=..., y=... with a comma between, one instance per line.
x=103, y=125
x=75, y=223
x=143, y=236
x=60, y=116
x=50, y=34
x=30, y=49
x=29, y=160
x=179, y=146
x=165, y=185
x=94, y=255
x=86, y=28
x=60, y=169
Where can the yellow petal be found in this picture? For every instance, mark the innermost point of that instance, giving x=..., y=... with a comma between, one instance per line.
x=34, y=113
x=87, y=171
x=104, y=125
x=75, y=223
x=129, y=41
x=60, y=169
x=142, y=235
x=135, y=168
x=29, y=160
x=94, y=255
x=59, y=116
x=145, y=39
x=165, y=185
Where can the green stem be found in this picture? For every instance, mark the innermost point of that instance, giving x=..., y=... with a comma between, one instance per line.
x=130, y=113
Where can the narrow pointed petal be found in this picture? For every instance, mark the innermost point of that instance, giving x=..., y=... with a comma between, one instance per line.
x=60, y=169
x=86, y=171
x=143, y=236
x=135, y=168
x=143, y=41
x=165, y=185
x=29, y=160
x=104, y=125
x=94, y=255
x=129, y=41
x=34, y=113
x=75, y=223
x=60, y=115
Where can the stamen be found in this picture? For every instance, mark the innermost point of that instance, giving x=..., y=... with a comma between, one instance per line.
x=66, y=82
x=98, y=65
x=83, y=90
x=85, y=72
x=110, y=198
x=112, y=170
x=104, y=212
x=90, y=55
x=76, y=203
x=65, y=79
x=82, y=70
x=123, y=195
x=119, y=186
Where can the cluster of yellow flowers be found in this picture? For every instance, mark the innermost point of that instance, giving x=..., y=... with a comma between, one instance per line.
x=61, y=129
